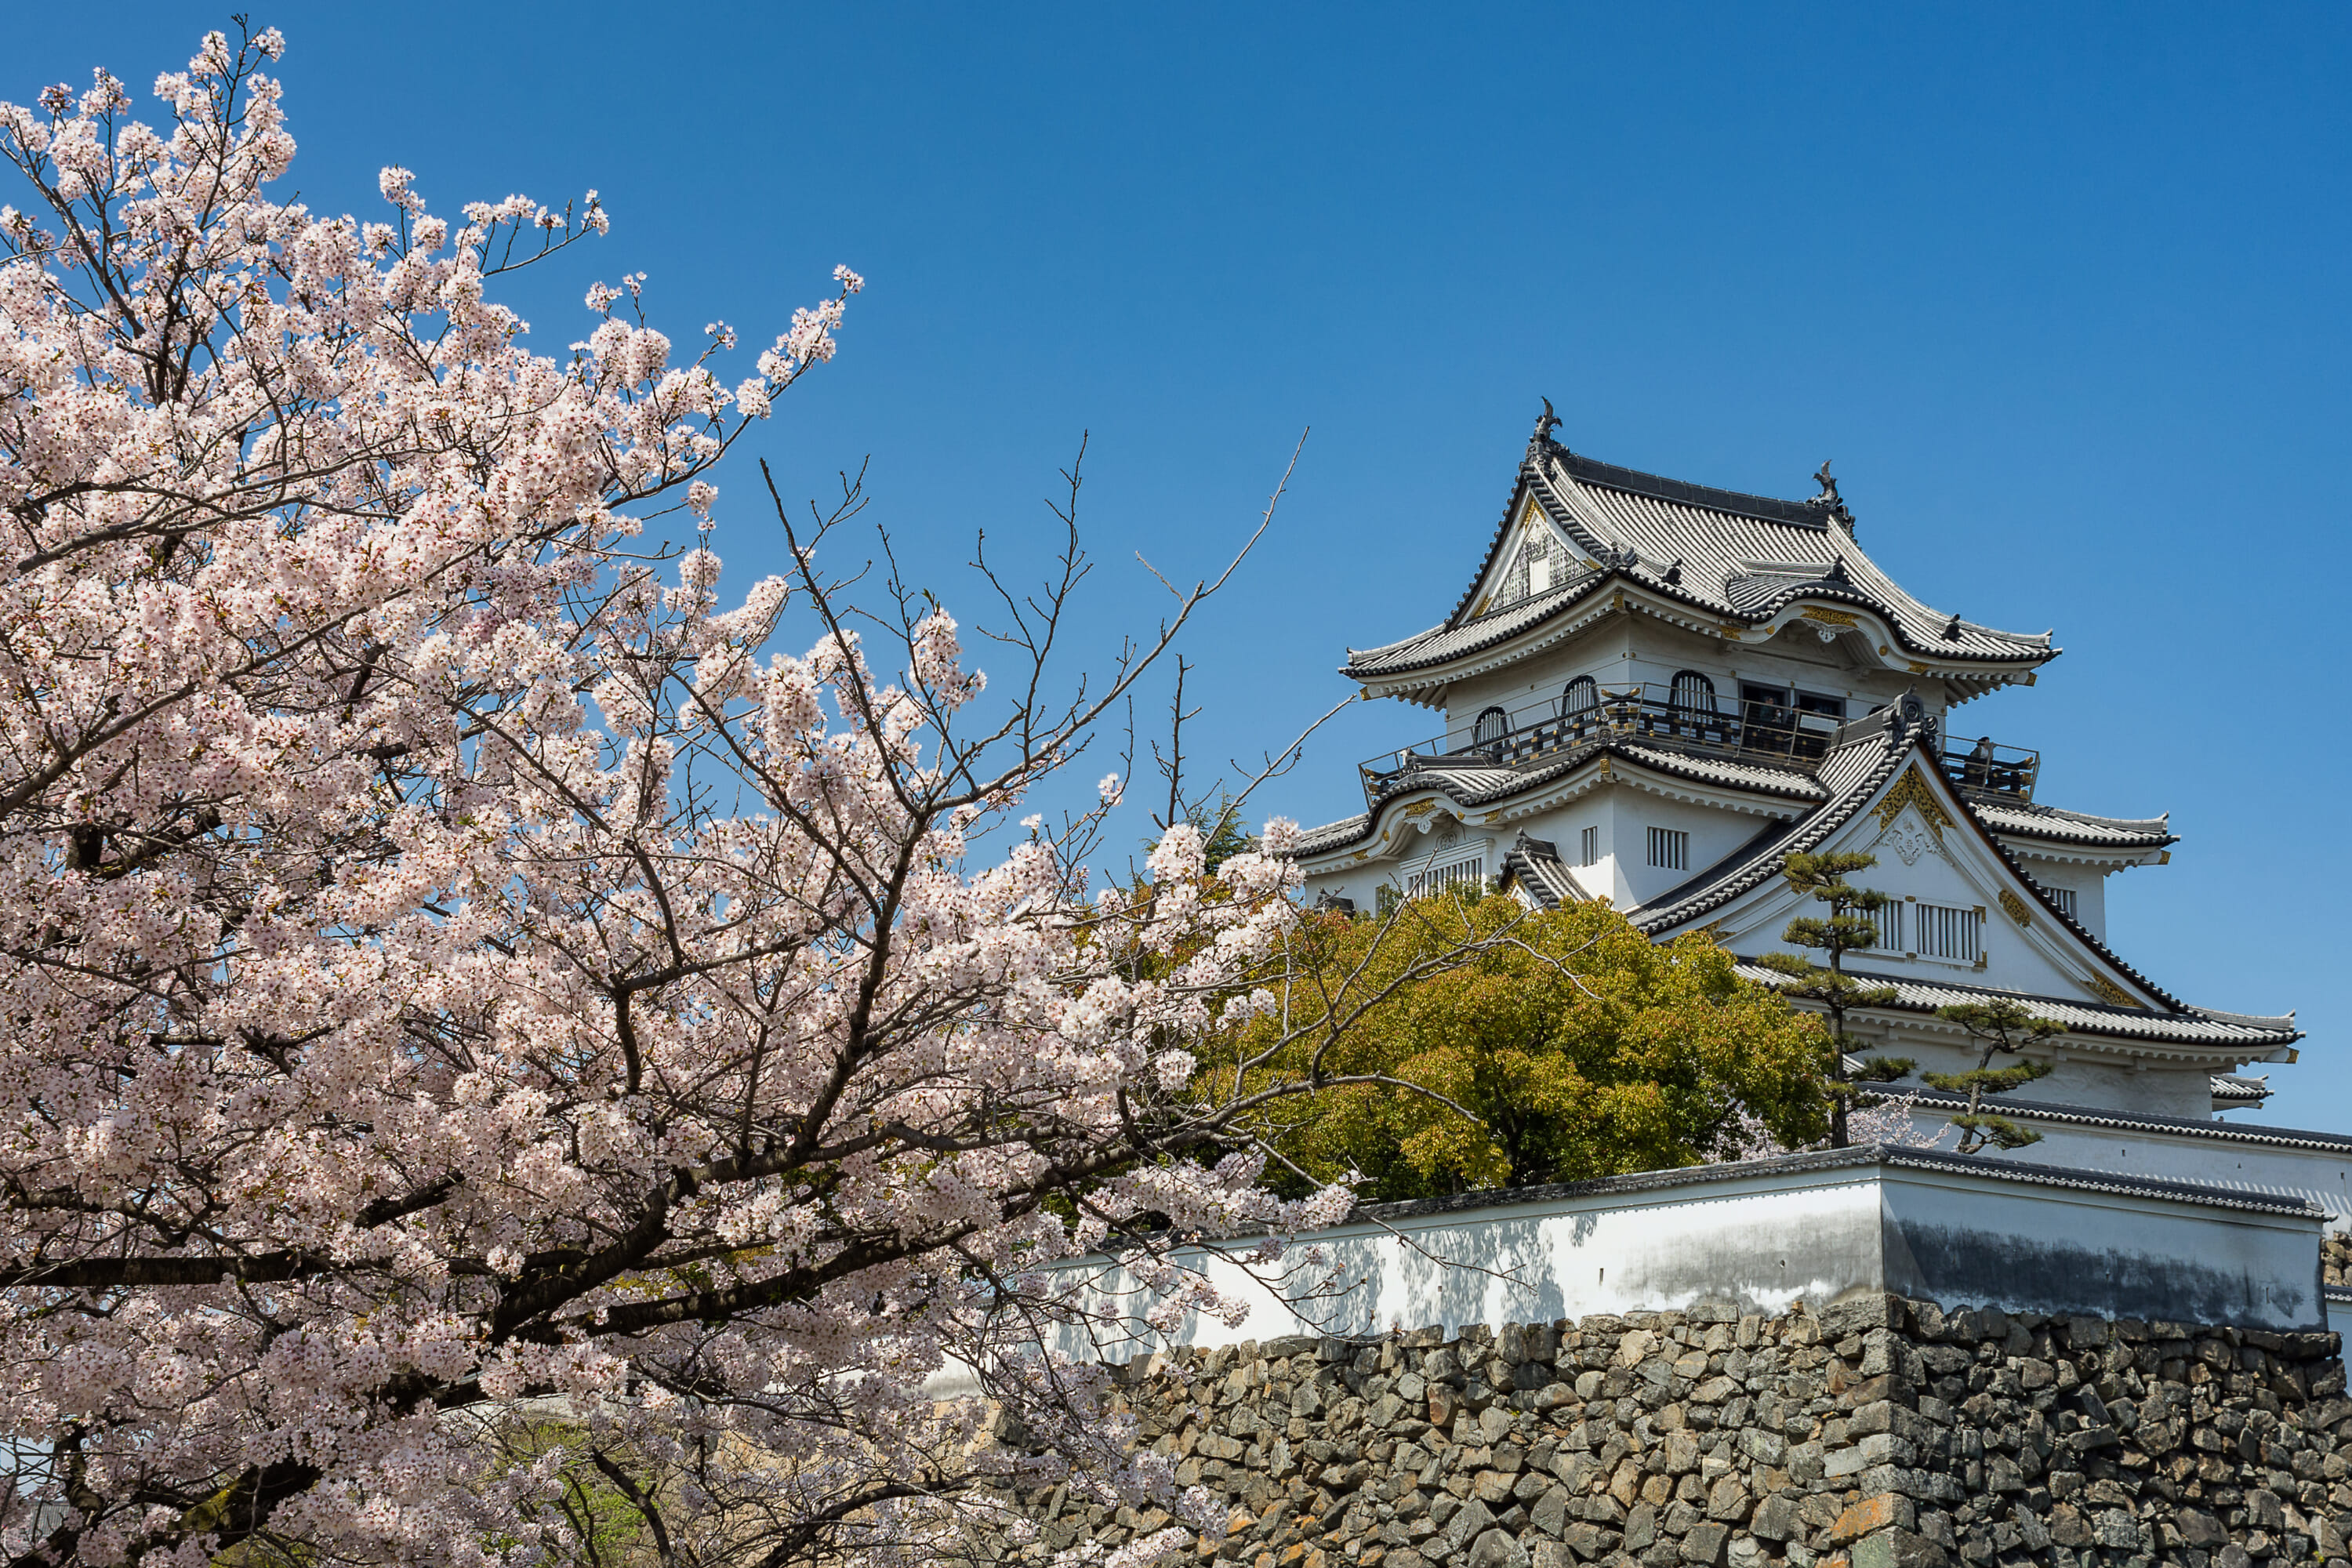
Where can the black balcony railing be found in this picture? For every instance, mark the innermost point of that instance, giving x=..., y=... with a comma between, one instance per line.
x=1993, y=768
x=1760, y=732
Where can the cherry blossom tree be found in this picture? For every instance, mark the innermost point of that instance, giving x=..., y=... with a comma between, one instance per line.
x=498, y=1036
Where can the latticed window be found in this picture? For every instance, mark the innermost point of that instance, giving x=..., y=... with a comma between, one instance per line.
x=1670, y=848
x=1693, y=692
x=2065, y=898
x=1531, y=570
x=1492, y=726
x=1941, y=930
x=1465, y=874
x=1591, y=846
x=1888, y=919
x=1581, y=698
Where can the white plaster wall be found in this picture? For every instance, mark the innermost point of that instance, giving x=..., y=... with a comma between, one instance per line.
x=2088, y=883
x=1763, y=1238
x=2042, y=1248
x=1757, y=1242
x=1533, y=691
x=2079, y=1078
x=1714, y=834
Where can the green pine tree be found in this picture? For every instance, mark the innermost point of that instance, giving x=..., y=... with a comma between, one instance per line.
x=1847, y=929
x=2001, y=1028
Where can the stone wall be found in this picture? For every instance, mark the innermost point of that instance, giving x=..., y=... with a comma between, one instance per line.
x=2335, y=1259
x=1875, y=1433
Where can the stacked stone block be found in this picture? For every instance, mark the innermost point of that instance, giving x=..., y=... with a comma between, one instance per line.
x=1878, y=1433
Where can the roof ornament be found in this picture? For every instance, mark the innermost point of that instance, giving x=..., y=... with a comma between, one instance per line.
x=1829, y=502
x=1675, y=572
x=1835, y=576
x=1914, y=716
x=1952, y=628
x=1545, y=424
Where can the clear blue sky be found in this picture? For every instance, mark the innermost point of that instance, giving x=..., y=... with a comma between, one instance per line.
x=2061, y=289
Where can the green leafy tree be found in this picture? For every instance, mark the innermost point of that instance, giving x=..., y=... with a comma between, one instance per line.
x=2000, y=1028
x=1847, y=928
x=1519, y=1047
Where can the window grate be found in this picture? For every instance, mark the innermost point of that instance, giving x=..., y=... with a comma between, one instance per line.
x=1670, y=848
x=1437, y=878
x=1591, y=846
x=1943, y=931
x=1888, y=919
x=2065, y=898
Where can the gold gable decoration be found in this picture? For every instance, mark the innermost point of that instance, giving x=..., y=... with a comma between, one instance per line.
x=1533, y=515
x=1830, y=617
x=1913, y=790
x=2014, y=908
x=2113, y=994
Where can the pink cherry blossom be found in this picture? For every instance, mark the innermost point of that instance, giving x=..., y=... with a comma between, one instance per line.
x=464, y=970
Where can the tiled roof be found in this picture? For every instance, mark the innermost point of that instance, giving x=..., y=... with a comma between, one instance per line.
x=1331, y=835
x=2192, y=1025
x=1865, y=756
x=1768, y=550
x=1451, y=640
x=1735, y=556
x=1470, y=781
x=2236, y=1091
x=1759, y=776
x=1827, y=1159
x=1534, y=864
x=2024, y=819
x=2126, y=1122
x=1853, y=772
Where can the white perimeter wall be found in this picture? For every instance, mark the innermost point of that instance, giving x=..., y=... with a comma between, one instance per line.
x=1764, y=1236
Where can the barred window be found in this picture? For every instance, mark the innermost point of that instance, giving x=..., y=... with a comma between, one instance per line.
x=1691, y=693
x=1582, y=696
x=1670, y=848
x=1889, y=922
x=1493, y=725
x=1943, y=931
x=1463, y=874
x=1591, y=846
x=2065, y=898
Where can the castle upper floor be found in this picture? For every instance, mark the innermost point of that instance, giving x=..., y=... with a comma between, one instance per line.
x=1756, y=615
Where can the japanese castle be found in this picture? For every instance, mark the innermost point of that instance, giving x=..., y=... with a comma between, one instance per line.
x=1653, y=692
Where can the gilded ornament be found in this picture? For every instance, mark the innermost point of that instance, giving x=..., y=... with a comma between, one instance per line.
x=1833, y=617
x=1913, y=790
x=2014, y=906
x=2109, y=992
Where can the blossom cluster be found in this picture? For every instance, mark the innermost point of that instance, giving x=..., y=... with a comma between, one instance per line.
x=458, y=971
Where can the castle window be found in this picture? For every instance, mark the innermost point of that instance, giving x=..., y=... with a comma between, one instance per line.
x=1692, y=693
x=1532, y=570
x=1466, y=875
x=1943, y=931
x=1888, y=919
x=1670, y=848
x=1794, y=723
x=1492, y=725
x=1591, y=846
x=2065, y=898
x=1581, y=698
